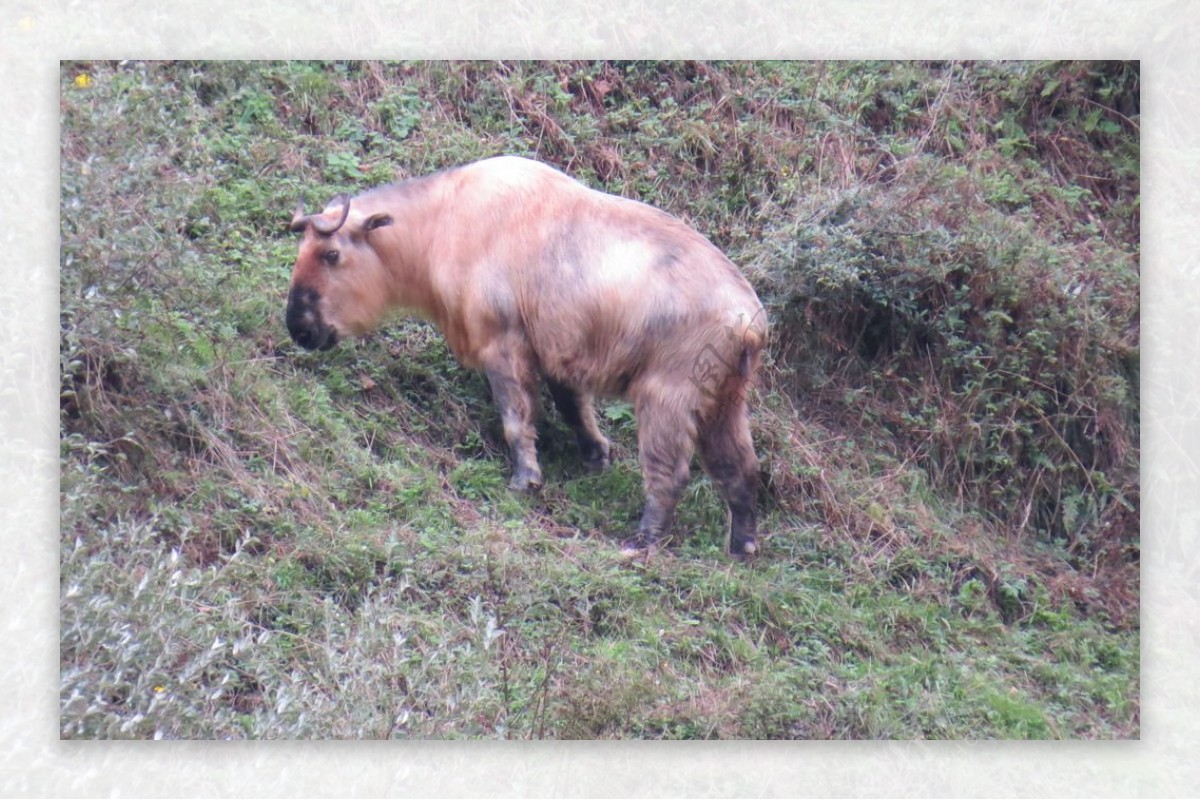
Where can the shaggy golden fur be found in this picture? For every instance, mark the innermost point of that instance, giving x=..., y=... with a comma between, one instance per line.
x=529, y=273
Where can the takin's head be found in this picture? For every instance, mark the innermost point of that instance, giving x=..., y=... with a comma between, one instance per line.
x=340, y=283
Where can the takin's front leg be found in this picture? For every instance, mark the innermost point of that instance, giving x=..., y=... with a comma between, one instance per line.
x=509, y=365
x=577, y=410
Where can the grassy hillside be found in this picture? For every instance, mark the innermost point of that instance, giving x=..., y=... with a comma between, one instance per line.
x=263, y=542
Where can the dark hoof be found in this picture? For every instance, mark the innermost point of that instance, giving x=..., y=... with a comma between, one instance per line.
x=743, y=550
x=639, y=546
x=598, y=464
x=526, y=483
x=595, y=457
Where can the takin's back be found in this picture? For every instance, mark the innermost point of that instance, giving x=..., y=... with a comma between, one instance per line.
x=606, y=289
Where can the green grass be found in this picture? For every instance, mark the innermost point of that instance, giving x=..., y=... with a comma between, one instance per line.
x=259, y=542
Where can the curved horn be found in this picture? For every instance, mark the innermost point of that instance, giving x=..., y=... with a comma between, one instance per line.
x=327, y=228
x=299, y=219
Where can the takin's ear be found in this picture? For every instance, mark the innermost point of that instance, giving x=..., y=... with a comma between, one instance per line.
x=377, y=221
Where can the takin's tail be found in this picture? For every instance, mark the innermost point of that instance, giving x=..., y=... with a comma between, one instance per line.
x=751, y=357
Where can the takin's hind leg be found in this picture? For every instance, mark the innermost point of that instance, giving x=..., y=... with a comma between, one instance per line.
x=576, y=409
x=665, y=445
x=727, y=453
x=509, y=366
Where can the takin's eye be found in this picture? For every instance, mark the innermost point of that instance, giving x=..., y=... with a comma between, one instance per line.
x=330, y=257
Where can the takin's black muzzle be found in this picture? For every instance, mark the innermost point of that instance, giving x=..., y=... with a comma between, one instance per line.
x=304, y=321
